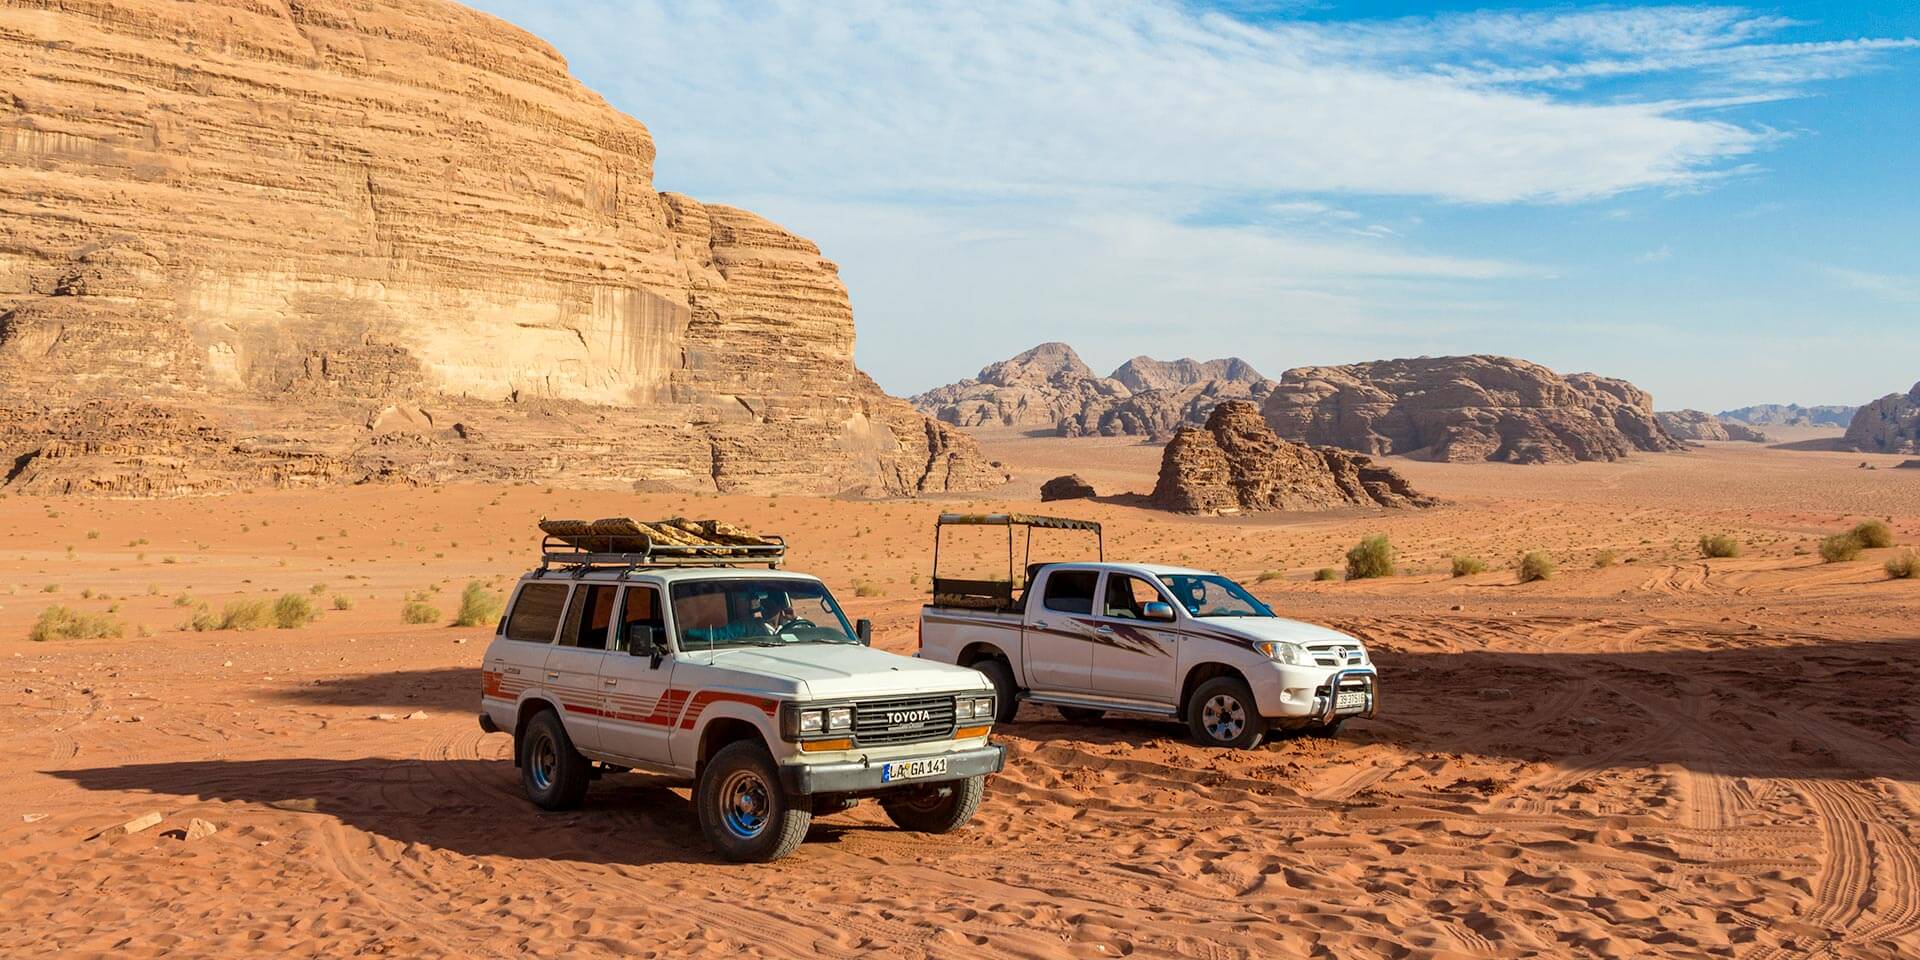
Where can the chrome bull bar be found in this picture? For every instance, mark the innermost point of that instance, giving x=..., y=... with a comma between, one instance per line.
x=1327, y=709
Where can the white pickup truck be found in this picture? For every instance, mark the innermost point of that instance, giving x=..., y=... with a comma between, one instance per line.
x=1097, y=637
x=622, y=654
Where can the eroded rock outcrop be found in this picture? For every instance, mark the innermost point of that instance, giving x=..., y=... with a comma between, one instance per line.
x=279, y=221
x=1236, y=463
x=1700, y=425
x=1068, y=487
x=1050, y=387
x=1890, y=424
x=1466, y=409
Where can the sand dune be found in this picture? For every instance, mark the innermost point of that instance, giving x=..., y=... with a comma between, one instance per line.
x=1667, y=756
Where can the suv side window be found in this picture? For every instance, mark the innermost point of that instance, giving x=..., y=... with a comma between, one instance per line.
x=536, y=612
x=1070, y=591
x=1126, y=595
x=642, y=609
x=589, y=617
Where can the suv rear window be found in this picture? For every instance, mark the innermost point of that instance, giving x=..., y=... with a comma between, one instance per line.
x=536, y=612
x=1071, y=591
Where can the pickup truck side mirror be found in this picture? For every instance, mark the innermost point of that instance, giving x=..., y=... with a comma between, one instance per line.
x=1156, y=610
x=863, y=631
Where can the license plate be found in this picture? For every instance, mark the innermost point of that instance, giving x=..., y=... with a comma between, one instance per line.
x=912, y=769
x=1353, y=702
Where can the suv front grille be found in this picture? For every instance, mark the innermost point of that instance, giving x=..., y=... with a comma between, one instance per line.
x=904, y=720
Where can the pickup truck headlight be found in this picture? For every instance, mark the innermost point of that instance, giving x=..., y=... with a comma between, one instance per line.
x=1288, y=653
x=813, y=721
x=839, y=718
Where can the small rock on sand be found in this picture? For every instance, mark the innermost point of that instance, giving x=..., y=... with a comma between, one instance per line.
x=385, y=716
x=142, y=822
x=32, y=817
x=417, y=715
x=198, y=829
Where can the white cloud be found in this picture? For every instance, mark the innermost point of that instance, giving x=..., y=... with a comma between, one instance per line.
x=1897, y=289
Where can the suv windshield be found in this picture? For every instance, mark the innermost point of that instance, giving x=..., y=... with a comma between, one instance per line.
x=756, y=613
x=1212, y=595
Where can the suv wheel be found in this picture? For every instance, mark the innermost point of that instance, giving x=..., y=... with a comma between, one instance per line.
x=553, y=772
x=1006, y=701
x=745, y=814
x=1221, y=713
x=938, y=808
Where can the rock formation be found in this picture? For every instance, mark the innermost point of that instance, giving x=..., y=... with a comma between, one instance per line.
x=336, y=241
x=1466, y=409
x=1791, y=415
x=1700, y=425
x=1236, y=463
x=1049, y=387
x=1069, y=487
x=1890, y=424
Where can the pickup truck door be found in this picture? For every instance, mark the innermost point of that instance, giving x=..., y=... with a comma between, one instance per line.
x=637, y=681
x=1057, y=644
x=1134, y=657
x=573, y=665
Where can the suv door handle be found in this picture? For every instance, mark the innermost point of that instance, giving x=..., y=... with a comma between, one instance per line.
x=551, y=675
x=609, y=681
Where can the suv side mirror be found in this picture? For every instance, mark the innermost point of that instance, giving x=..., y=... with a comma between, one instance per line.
x=644, y=641
x=1156, y=610
x=863, y=631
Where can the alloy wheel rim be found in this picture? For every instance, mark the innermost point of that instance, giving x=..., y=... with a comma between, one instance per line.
x=746, y=804
x=1223, y=717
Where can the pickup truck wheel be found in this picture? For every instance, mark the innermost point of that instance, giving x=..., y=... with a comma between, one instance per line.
x=937, y=808
x=1006, y=701
x=1221, y=713
x=1080, y=714
x=745, y=814
x=553, y=772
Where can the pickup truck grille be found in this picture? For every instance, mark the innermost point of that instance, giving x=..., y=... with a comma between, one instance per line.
x=1337, y=654
x=905, y=720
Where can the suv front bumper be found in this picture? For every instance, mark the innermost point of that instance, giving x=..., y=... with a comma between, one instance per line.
x=863, y=775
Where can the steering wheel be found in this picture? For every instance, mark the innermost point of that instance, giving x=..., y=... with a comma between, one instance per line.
x=798, y=622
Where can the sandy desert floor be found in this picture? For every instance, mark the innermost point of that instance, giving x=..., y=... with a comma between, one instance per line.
x=1665, y=756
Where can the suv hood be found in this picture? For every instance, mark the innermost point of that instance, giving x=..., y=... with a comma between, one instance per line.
x=833, y=671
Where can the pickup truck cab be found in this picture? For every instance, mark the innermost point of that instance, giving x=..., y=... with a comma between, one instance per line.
x=750, y=684
x=1145, y=638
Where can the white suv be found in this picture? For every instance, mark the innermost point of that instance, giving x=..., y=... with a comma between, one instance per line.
x=749, y=683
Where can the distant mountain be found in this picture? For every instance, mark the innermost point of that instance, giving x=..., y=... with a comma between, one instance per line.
x=1790, y=415
x=1890, y=424
x=1700, y=425
x=1050, y=387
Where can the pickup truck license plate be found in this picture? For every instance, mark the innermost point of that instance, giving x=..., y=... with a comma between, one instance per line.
x=1350, y=702
x=912, y=769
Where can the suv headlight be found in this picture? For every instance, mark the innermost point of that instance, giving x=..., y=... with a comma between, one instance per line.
x=839, y=718
x=1288, y=653
x=983, y=708
x=963, y=708
x=813, y=721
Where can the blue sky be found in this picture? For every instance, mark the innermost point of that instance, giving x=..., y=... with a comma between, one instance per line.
x=1716, y=202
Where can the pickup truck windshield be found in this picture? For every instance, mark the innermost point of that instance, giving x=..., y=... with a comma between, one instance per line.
x=1212, y=595
x=756, y=613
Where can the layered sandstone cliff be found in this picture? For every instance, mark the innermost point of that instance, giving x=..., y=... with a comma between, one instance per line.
x=1890, y=424
x=273, y=224
x=1701, y=425
x=1235, y=463
x=1050, y=388
x=1466, y=409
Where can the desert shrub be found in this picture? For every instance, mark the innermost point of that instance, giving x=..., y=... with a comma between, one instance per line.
x=865, y=588
x=417, y=611
x=1536, y=565
x=50, y=588
x=203, y=619
x=1604, y=559
x=1873, y=533
x=1326, y=573
x=1266, y=575
x=1718, y=545
x=183, y=600
x=294, y=610
x=246, y=615
x=478, y=605
x=1906, y=566
x=342, y=602
x=1467, y=566
x=65, y=623
x=317, y=589
x=1841, y=546
x=1372, y=557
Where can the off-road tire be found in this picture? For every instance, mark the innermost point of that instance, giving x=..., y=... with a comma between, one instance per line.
x=554, y=774
x=1222, y=713
x=1006, y=695
x=1080, y=714
x=746, y=815
x=935, y=808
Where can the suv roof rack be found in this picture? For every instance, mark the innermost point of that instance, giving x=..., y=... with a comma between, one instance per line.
x=622, y=542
